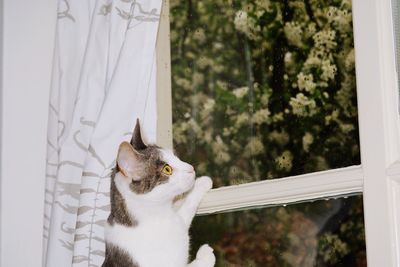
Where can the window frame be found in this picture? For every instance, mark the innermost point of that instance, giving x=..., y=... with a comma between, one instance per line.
x=378, y=176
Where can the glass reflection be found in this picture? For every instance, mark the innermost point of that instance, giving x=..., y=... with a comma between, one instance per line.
x=326, y=233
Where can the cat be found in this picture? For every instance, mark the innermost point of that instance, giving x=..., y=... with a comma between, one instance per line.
x=145, y=227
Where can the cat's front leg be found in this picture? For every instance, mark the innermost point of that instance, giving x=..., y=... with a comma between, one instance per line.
x=191, y=202
x=204, y=258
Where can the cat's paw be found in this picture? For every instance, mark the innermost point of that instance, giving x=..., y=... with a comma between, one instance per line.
x=204, y=182
x=206, y=255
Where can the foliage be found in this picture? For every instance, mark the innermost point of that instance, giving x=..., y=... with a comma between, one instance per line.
x=321, y=233
x=265, y=89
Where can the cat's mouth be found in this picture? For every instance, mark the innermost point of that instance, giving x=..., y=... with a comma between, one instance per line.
x=189, y=183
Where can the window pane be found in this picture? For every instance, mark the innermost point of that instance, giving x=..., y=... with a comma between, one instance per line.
x=264, y=88
x=322, y=233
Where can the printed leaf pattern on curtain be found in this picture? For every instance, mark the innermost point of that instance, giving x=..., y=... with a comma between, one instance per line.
x=103, y=79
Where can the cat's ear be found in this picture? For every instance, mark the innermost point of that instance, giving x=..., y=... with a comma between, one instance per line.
x=137, y=141
x=128, y=161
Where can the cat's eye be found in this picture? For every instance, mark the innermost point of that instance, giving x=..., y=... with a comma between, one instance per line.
x=167, y=169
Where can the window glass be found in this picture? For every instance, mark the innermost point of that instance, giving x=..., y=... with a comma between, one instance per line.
x=263, y=89
x=321, y=233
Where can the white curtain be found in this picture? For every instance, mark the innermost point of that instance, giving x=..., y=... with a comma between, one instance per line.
x=103, y=79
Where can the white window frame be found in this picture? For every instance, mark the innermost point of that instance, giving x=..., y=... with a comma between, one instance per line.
x=378, y=176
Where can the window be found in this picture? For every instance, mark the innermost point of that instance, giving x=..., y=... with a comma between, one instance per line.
x=263, y=89
x=320, y=233
x=377, y=178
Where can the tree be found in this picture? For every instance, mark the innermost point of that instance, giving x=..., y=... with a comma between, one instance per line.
x=264, y=89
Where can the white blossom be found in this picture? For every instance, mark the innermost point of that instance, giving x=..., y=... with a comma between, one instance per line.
x=334, y=245
x=312, y=60
x=220, y=150
x=199, y=35
x=320, y=163
x=277, y=117
x=209, y=105
x=240, y=92
x=308, y=139
x=221, y=84
x=180, y=132
x=204, y=62
x=197, y=79
x=245, y=24
x=345, y=94
x=303, y=106
x=183, y=83
x=226, y=131
x=328, y=70
x=285, y=161
x=265, y=99
x=208, y=108
x=264, y=4
x=207, y=137
x=306, y=82
x=310, y=30
x=241, y=119
x=294, y=33
x=195, y=127
x=240, y=21
x=282, y=137
x=254, y=147
x=288, y=58
x=261, y=116
x=343, y=21
x=331, y=13
x=346, y=127
x=350, y=60
x=331, y=117
x=218, y=46
x=217, y=68
x=325, y=40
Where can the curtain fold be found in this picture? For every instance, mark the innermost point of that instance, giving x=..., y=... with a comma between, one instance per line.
x=103, y=79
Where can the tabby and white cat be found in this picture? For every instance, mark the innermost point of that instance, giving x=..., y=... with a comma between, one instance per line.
x=145, y=228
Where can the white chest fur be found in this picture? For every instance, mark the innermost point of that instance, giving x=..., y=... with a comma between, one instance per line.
x=162, y=242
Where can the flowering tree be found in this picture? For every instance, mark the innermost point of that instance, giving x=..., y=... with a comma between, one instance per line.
x=264, y=88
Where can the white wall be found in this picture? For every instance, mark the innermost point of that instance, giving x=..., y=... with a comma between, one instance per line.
x=27, y=39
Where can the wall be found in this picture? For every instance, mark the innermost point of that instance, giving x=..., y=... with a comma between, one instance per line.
x=27, y=38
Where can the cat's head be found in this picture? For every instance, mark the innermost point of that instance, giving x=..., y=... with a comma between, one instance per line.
x=151, y=171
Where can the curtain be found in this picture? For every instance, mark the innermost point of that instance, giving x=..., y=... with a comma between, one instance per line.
x=103, y=79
